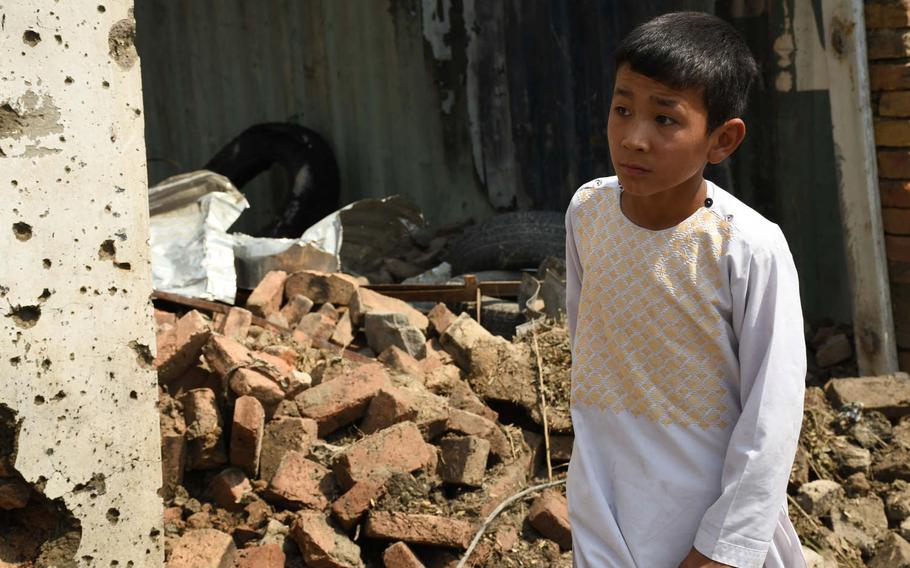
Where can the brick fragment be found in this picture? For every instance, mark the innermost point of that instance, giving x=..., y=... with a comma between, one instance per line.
x=896, y=221
x=463, y=460
x=236, y=324
x=441, y=317
x=323, y=546
x=861, y=522
x=893, y=164
x=173, y=445
x=897, y=249
x=892, y=133
x=550, y=516
x=165, y=319
x=470, y=424
x=399, y=360
x=344, y=331
x=390, y=406
x=203, y=548
x=265, y=299
x=350, y=507
x=888, y=394
x=887, y=44
x=887, y=14
x=300, y=482
x=889, y=76
x=229, y=487
x=462, y=337
x=817, y=497
x=298, y=306
x=336, y=403
x=385, y=329
x=263, y=556
x=316, y=326
x=321, y=287
x=894, y=104
x=284, y=435
x=178, y=348
x=398, y=448
x=364, y=301
x=893, y=552
x=247, y=382
x=224, y=354
x=400, y=556
x=204, y=430
x=429, y=530
x=246, y=434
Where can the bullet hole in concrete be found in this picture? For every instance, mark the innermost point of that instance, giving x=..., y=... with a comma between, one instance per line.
x=25, y=316
x=46, y=364
x=23, y=231
x=49, y=451
x=107, y=250
x=119, y=189
x=121, y=235
x=39, y=400
x=113, y=516
x=134, y=395
x=46, y=263
x=112, y=290
x=14, y=361
x=59, y=396
x=68, y=80
x=121, y=41
x=143, y=354
x=3, y=291
x=83, y=289
x=101, y=8
x=58, y=38
x=42, y=532
x=105, y=84
x=15, y=183
x=45, y=295
x=94, y=486
x=123, y=265
x=31, y=38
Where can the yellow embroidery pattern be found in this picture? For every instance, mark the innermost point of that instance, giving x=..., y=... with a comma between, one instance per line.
x=645, y=342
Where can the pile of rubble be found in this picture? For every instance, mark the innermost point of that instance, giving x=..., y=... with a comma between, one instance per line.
x=325, y=424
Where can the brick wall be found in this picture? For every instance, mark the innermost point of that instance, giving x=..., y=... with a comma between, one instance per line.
x=888, y=37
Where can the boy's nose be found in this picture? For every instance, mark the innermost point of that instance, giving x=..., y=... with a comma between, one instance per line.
x=635, y=139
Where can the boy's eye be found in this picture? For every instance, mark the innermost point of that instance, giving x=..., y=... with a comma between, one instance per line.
x=621, y=111
x=664, y=120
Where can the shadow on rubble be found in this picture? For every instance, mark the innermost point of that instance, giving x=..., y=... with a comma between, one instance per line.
x=34, y=531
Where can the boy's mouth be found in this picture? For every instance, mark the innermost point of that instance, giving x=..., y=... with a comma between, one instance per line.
x=633, y=169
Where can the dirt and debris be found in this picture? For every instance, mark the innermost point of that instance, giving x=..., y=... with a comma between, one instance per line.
x=290, y=444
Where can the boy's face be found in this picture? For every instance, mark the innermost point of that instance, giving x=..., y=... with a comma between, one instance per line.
x=658, y=136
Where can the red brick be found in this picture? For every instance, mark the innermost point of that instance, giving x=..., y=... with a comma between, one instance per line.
x=471, y=424
x=888, y=394
x=300, y=482
x=178, y=349
x=887, y=44
x=195, y=378
x=283, y=435
x=550, y=516
x=887, y=14
x=229, y=487
x=266, y=297
x=224, y=355
x=463, y=460
x=236, y=324
x=897, y=248
x=440, y=318
x=399, y=448
x=400, y=556
x=895, y=193
x=165, y=319
x=344, y=331
x=284, y=352
x=508, y=479
x=276, y=366
x=896, y=221
x=323, y=546
x=297, y=307
x=889, y=76
x=246, y=434
x=430, y=530
x=203, y=548
x=247, y=382
x=364, y=301
x=899, y=272
x=173, y=444
x=321, y=287
x=339, y=402
x=894, y=104
x=263, y=556
x=204, y=430
x=561, y=447
x=390, y=406
x=892, y=133
x=316, y=326
x=462, y=337
x=399, y=360
x=350, y=507
x=330, y=311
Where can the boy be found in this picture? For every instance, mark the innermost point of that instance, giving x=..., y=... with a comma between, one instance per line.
x=684, y=313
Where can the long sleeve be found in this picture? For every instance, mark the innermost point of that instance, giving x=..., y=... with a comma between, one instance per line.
x=573, y=276
x=767, y=319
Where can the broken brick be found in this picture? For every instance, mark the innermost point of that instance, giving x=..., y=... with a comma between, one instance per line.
x=365, y=301
x=350, y=507
x=463, y=460
x=263, y=556
x=390, y=406
x=298, y=306
x=322, y=287
x=178, y=349
x=440, y=318
x=550, y=516
x=203, y=548
x=323, y=546
x=888, y=394
x=246, y=434
x=236, y=324
x=224, y=355
x=398, y=448
x=229, y=487
x=471, y=424
x=384, y=329
x=247, y=382
x=316, y=327
x=300, y=482
x=400, y=556
x=283, y=435
x=266, y=297
x=430, y=530
x=399, y=360
x=204, y=430
x=462, y=336
x=339, y=402
x=344, y=331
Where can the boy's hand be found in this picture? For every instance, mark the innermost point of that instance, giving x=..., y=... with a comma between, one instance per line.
x=696, y=559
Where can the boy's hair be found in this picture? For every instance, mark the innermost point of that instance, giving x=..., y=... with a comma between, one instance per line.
x=686, y=50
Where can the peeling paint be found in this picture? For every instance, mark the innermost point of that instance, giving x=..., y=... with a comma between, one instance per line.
x=121, y=39
x=436, y=26
x=27, y=125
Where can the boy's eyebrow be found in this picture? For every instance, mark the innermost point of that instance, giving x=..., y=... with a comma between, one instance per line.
x=664, y=101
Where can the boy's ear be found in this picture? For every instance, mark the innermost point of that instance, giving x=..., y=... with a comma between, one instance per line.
x=725, y=139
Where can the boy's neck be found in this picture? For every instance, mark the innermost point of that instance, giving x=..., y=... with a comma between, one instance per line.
x=667, y=208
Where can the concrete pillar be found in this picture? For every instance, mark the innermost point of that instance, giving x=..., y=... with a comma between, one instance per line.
x=78, y=423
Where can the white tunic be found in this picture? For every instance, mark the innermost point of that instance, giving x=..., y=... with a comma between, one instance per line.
x=687, y=385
